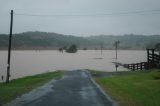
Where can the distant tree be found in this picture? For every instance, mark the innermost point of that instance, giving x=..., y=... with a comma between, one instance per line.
x=72, y=49
x=43, y=40
x=85, y=48
x=61, y=50
x=157, y=47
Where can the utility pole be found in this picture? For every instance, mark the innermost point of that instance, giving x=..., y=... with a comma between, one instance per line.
x=116, y=49
x=9, y=48
x=116, y=65
x=116, y=44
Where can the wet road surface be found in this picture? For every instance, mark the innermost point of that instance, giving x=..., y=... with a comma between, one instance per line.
x=76, y=88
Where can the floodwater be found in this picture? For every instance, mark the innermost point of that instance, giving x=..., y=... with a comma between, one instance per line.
x=24, y=63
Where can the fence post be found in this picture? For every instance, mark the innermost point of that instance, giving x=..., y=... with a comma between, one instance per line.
x=133, y=67
x=141, y=65
x=148, y=55
x=153, y=60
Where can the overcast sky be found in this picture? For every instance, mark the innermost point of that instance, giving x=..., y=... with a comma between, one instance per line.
x=82, y=17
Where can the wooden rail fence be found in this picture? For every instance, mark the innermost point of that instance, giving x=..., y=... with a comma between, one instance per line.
x=153, y=61
x=137, y=66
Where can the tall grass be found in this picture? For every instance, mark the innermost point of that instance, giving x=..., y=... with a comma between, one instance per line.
x=133, y=89
x=22, y=85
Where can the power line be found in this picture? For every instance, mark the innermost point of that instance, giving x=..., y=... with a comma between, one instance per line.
x=4, y=15
x=100, y=14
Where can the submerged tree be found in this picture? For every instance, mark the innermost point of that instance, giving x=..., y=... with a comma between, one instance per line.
x=85, y=48
x=72, y=49
x=61, y=50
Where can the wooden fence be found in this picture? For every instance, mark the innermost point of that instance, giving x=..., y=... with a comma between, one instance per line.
x=153, y=61
x=137, y=66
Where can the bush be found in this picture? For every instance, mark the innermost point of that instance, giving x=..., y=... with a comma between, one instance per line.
x=72, y=49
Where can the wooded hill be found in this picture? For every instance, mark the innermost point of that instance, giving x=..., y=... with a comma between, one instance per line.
x=43, y=40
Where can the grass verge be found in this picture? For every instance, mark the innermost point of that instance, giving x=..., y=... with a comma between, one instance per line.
x=132, y=88
x=22, y=85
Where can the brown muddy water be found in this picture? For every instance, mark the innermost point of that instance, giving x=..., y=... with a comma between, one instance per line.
x=24, y=63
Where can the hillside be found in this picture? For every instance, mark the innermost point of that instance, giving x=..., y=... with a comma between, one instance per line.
x=44, y=40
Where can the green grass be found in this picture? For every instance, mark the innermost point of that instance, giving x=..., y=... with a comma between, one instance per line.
x=22, y=85
x=133, y=89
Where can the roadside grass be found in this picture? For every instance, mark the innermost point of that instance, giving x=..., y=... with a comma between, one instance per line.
x=131, y=88
x=20, y=86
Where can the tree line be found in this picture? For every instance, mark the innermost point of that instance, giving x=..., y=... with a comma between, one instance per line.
x=44, y=40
